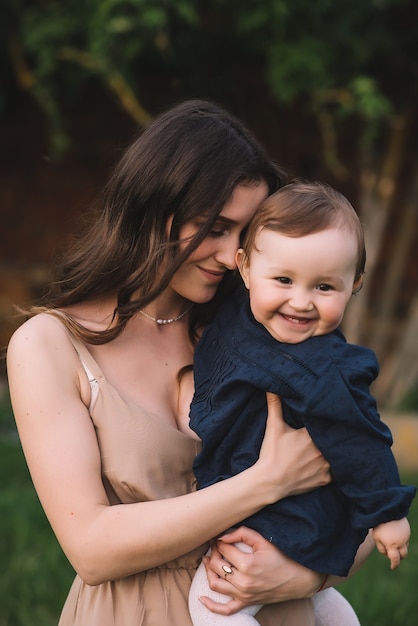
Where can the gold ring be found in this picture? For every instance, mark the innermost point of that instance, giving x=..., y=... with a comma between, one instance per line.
x=227, y=570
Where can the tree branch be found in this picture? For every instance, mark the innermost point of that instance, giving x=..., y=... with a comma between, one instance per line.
x=114, y=80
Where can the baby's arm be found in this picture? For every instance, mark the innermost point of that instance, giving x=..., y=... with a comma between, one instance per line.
x=186, y=391
x=392, y=539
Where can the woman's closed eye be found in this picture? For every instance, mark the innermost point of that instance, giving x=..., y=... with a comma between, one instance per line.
x=219, y=232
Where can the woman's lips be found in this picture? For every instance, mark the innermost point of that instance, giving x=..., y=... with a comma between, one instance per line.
x=212, y=276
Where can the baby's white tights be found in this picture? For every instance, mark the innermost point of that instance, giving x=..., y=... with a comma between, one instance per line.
x=201, y=616
x=332, y=609
x=327, y=608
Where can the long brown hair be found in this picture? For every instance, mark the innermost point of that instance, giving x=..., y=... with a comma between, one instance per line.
x=187, y=162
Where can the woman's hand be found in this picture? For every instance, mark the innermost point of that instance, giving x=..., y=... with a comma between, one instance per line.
x=262, y=577
x=266, y=575
x=302, y=466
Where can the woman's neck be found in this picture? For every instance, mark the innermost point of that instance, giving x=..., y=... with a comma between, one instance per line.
x=167, y=308
x=94, y=315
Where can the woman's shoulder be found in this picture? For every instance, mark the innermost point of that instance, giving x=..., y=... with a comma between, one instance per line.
x=45, y=321
x=43, y=331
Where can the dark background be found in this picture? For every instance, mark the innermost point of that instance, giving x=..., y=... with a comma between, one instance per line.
x=329, y=88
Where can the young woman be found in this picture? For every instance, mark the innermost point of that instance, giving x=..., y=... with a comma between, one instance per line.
x=94, y=385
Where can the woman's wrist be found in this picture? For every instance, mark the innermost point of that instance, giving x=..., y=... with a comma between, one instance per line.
x=268, y=488
x=323, y=583
x=312, y=582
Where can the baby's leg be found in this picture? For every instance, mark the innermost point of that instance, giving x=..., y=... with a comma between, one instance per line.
x=201, y=616
x=290, y=613
x=332, y=609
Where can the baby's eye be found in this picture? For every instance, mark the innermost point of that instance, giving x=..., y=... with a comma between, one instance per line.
x=325, y=287
x=284, y=280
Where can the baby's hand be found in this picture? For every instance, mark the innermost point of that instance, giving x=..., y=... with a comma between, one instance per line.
x=392, y=539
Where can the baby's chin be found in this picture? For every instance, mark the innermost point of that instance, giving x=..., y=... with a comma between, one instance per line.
x=289, y=335
x=290, y=338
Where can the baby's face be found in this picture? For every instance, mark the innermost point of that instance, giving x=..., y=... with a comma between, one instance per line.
x=299, y=286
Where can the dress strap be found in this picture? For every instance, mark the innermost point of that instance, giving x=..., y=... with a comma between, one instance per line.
x=94, y=383
x=79, y=347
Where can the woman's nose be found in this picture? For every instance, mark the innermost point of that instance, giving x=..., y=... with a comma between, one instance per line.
x=226, y=252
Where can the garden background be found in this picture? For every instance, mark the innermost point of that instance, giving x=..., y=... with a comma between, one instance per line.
x=330, y=88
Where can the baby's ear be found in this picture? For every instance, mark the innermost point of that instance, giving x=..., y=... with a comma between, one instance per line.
x=243, y=265
x=358, y=284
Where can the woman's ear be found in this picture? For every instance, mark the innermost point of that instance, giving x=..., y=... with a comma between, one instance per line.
x=242, y=261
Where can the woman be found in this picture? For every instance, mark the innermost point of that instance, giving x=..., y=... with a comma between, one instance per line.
x=94, y=385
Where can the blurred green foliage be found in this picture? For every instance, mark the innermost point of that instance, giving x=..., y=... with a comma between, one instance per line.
x=409, y=403
x=35, y=576
x=352, y=57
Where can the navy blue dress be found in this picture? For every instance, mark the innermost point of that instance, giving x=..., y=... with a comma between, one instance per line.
x=324, y=385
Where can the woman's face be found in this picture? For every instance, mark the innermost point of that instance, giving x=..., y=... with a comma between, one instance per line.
x=200, y=275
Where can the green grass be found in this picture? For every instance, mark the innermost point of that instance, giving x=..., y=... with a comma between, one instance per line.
x=35, y=576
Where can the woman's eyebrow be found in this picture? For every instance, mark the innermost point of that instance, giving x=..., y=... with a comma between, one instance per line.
x=225, y=220
x=220, y=218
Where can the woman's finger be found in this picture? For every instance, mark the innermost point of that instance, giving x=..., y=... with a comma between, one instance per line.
x=275, y=414
x=275, y=427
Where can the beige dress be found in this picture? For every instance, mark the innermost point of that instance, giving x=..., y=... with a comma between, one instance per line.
x=142, y=459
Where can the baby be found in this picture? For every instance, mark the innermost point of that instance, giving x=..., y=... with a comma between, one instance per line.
x=302, y=259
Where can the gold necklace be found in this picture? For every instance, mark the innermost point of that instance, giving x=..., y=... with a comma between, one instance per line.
x=162, y=322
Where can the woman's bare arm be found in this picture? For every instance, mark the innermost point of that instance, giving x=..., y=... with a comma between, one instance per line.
x=50, y=393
